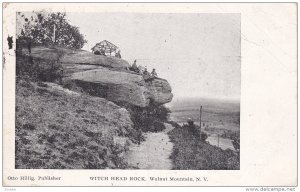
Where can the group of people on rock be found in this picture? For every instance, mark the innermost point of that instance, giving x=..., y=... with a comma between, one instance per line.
x=143, y=71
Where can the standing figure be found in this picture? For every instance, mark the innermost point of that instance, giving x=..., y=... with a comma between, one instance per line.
x=29, y=45
x=192, y=128
x=146, y=73
x=118, y=54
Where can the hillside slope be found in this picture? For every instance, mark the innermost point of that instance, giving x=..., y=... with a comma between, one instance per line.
x=61, y=129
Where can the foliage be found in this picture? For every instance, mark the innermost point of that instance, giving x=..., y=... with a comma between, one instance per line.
x=236, y=144
x=189, y=152
x=38, y=69
x=194, y=130
x=204, y=136
x=149, y=118
x=38, y=28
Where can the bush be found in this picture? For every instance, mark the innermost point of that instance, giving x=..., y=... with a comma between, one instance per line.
x=192, y=154
x=37, y=69
x=204, y=136
x=236, y=144
x=149, y=118
x=71, y=85
x=157, y=126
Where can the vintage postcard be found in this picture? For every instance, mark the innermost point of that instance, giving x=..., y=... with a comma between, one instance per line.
x=150, y=94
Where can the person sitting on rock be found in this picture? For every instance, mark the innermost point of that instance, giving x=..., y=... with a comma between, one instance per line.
x=153, y=73
x=118, y=54
x=147, y=76
x=146, y=72
x=134, y=67
x=141, y=70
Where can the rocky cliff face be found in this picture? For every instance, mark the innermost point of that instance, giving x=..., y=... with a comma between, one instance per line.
x=111, y=79
x=124, y=87
x=106, y=76
x=160, y=91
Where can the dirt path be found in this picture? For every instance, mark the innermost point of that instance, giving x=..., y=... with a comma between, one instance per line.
x=153, y=153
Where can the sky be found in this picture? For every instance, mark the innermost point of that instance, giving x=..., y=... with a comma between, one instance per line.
x=198, y=53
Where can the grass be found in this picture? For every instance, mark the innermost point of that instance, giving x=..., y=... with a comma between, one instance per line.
x=59, y=130
x=189, y=153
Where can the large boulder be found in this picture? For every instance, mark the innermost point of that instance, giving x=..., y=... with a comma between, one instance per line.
x=124, y=87
x=160, y=91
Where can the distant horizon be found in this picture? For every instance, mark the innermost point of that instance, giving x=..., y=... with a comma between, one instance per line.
x=196, y=100
x=235, y=100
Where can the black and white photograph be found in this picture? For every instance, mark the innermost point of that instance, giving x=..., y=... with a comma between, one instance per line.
x=127, y=91
x=150, y=95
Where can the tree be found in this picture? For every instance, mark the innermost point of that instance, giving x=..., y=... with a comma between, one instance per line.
x=44, y=28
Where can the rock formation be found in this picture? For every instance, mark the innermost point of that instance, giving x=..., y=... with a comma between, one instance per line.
x=84, y=57
x=105, y=76
x=124, y=87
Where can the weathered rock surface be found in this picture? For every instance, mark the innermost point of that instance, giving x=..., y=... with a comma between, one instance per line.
x=104, y=76
x=160, y=91
x=84, y=57
x=78, y=57
x=124, y=87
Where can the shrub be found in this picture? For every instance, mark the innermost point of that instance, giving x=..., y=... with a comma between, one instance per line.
x=191, y=153
x=204, y=136
x=71, y=85
x=149, y=118
x=37, y=69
